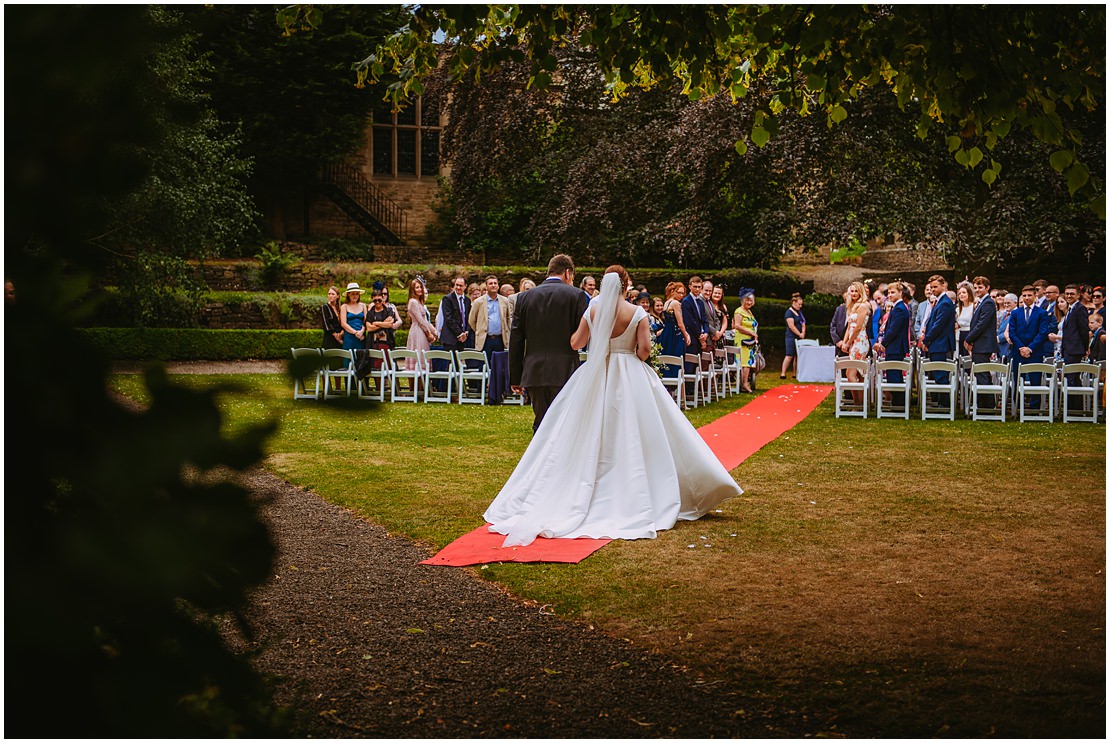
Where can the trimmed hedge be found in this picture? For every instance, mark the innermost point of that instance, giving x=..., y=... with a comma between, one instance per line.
x=196, y=344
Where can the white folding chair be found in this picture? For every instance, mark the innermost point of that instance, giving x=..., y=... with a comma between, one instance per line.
x=693, y=378
x=339, y=365
x=300, y=386
x=1086, y=390
x=375, y=385
x=446, y=371
x=477, y=371
x=841, y=384
x=904, y=387
x=399, y=361
x=675, y=383
x=710, y=376
x=582, y=357
x=929, y=387
x=1044, y=393
x=732, y=364
x=999, y=385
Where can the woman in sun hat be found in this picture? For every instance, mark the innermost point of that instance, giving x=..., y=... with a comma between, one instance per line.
x=352, y=316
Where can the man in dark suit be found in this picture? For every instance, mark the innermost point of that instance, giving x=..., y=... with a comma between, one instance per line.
x=695, y=316
x=940, y=332
x=895, y=342
x=455, y=308
x=982, y=336
x=1029, y=328
x=1075, y=334
x=838, y=327
x=540, y=357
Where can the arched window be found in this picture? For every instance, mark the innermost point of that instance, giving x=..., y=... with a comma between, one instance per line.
x=406, y=143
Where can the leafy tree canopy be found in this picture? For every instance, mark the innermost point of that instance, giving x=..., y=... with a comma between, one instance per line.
x=977, y=71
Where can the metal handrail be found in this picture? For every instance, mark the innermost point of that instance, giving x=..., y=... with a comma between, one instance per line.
x=352, y=182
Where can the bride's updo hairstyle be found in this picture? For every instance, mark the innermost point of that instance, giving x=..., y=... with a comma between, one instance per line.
x=619, y=271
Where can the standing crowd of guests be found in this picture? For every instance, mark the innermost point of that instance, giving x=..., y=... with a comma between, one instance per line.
x=974, y=320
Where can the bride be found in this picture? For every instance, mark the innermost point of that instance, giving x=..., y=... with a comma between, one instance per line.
x=614, y=456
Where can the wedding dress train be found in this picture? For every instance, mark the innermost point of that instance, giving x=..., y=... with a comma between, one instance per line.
x=614, y=456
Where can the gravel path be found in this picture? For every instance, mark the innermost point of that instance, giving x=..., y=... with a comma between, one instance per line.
x=367, y=642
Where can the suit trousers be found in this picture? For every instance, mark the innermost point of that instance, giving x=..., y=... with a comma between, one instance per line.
x=541, y=397
x=941, y=377
x=1016, y=360
x=1073, y=379
x=985, y=401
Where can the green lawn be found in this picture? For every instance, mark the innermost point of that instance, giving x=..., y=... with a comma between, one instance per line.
x=885, y=558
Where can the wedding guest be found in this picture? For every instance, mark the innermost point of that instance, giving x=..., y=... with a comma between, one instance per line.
x=695, y=318
x=723, y=313
x=965, y=308
x=713, y=319
x=655, y=317
x=525, y=285
x=795, y=331
x=1028, y=327
x=389, y=305
x=921, y=316
x=909, y=292
x=1039, y=287
x=856, y=344
x=1096, y=349
x=352, y=317
x=589, y=285
x=981, y=342
x=939, y=339
x=747, y=333
x=1085, y=297
x=1098, y=299
x=329, y=314
x=839, y=325
x=421, y=331
x=1060, y=311
x=878, y=302
x=1009, y=304
x=379, y=324
x=489, y=316
x=1051, y=294
x=507, y=290
x=1075, y=332
x=473, y=292
x=674, y=337
x=453, y=312
x=894, y=343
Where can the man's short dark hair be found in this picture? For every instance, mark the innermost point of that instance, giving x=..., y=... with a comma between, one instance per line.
x=559, y=265
x=938, y=278
x=1028, y=288
x=1039, y=284
x=693, y=279
x=491, y=276
x=1072, y=286
x=982, y=280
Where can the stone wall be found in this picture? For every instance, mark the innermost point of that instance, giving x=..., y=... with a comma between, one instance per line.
x=415, y=196
x=904, y=258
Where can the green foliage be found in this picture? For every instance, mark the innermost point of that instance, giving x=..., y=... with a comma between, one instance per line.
x=342, y=249
x=275, y=262
x=130, y=537
x=854, y=249
x=980, y=71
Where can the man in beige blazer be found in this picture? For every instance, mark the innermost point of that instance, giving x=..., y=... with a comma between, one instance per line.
x=489, y=316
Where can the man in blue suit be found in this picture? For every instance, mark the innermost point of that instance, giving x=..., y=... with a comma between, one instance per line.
x=695, y=316
x=1029, y=328
x=895, y=342
x=940, y=331
x=982, y=336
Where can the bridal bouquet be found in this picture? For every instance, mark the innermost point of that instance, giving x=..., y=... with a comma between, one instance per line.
x=653, y=359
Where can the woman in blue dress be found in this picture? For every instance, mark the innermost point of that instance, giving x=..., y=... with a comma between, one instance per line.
x=674, y=337
x=352, y=316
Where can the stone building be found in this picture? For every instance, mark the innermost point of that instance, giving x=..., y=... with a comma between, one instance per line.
x=386, y=192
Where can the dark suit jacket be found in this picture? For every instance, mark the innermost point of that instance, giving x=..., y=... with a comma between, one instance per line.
x=1031, y=335
x=897, y=333
x=983, y=333
x=539, y=344
x=695, y=323
x=839, y=324
x=454, y=322
x=940, y=336
x=1076, y=332
x=1097, y=349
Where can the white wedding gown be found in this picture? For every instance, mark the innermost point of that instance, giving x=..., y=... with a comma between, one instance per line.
x=614, y=456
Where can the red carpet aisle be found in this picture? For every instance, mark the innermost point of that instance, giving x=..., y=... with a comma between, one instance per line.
x=733, y=438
